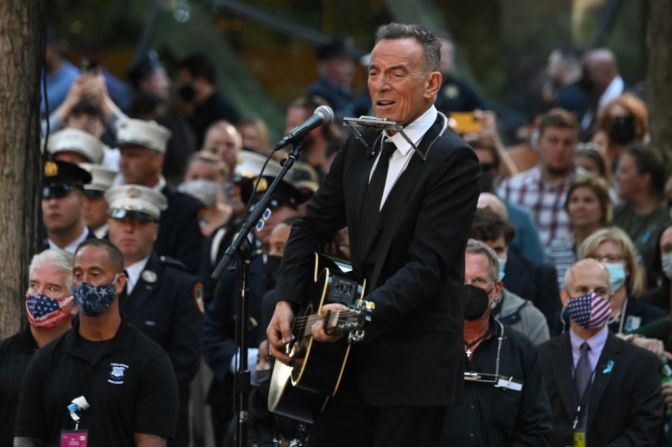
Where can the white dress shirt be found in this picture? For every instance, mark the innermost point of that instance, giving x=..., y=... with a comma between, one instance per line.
x=70, y=248
x=133, y=271
x=402, y=156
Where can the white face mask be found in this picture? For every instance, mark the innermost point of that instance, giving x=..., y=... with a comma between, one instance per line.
x=666, y=261
x=206, y=191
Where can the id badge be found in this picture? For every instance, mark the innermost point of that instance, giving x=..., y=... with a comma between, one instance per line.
x=74, y=438
x=579, y=439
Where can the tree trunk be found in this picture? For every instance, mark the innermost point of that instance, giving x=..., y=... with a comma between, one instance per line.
x=659, y=77
x=21, y=34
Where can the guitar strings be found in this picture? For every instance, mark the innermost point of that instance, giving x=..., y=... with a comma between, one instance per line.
x=300, y=323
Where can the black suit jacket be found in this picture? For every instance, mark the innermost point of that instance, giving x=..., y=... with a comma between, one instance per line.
x=534, y=281
x=414, y=266
x=179, y=235
x=625, y=407
x=166, y=311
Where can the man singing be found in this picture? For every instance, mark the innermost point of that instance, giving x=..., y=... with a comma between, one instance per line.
x=408, y=220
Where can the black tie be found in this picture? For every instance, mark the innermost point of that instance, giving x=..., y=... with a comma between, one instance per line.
x=582, y=377
x=374, y=192
x=583, y=371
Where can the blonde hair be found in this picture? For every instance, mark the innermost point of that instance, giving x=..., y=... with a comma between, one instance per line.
x=635, y=280
x=208, y=157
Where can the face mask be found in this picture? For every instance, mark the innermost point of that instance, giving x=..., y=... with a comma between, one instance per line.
x=46, y=312
x=622, y=130
x=477, y=302
x=94, y=300
x=666, y=261
x=616, y=275
x=589, y=311
x=502, y=267
x=186, y=93
x=204, y=190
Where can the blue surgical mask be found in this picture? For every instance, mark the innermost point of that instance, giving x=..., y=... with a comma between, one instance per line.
x=94, y=300
x=502, y=267
x=616, y=275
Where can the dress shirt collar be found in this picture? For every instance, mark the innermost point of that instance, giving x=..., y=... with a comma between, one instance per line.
x=614, y=89
x=133, y=271
x=596, y=343
x=414, y=131
x=70, y=248
x=158, y=187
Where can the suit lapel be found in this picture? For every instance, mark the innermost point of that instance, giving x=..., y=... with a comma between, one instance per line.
x=143, y=288
x=391, y=213
x=394, y=205
x=360, y=171
x=603, y=371
x=562, y=372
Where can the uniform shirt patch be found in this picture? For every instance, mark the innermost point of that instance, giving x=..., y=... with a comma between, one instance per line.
x=117, y=373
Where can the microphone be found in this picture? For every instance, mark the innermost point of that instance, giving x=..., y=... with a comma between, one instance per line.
x=322, y=115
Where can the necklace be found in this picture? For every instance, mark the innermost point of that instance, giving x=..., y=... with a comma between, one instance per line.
x=474, y=344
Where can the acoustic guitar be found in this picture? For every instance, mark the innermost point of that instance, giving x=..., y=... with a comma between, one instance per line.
x=302, y=390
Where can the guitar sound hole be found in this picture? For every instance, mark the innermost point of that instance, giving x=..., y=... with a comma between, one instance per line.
x=342, y=291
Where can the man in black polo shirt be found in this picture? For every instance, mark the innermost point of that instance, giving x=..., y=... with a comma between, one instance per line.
x=49, y=307
x=122, y=383
x=504, y=401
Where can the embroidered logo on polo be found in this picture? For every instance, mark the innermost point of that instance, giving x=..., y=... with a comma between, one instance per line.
x=117, y=373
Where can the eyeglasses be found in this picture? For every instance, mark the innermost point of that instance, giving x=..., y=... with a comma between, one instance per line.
x=481, y=283
x=609, y=258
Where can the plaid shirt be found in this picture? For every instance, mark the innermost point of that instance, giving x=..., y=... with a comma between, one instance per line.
x=545, y=203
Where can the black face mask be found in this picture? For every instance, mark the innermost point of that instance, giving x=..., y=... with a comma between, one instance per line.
x=186, y=93
x=271, y=270
x=487, y=181
x=622, y=130
x=477, y=302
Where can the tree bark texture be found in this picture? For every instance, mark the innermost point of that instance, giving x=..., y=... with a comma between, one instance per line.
x=659, y=77
x=21, y=36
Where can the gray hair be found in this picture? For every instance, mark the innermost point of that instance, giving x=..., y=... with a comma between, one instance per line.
x=476, y=247
x=429, y=42
x=60, y=259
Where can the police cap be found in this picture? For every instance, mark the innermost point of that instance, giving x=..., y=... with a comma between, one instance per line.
x=78, y=141
x=135, y=202
x=149, y=134
x=61, y=177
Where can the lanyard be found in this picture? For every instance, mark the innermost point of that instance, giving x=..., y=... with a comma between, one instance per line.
x=583, y=400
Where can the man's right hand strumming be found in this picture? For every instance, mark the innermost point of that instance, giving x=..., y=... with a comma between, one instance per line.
x=279, y=331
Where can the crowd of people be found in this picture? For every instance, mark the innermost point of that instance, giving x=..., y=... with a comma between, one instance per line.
x=564, y=281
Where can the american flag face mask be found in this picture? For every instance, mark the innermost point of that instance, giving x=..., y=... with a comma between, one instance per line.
x=44, y=311
x=589, y=311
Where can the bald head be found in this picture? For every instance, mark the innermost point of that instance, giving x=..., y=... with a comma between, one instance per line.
x=586, y=276
x=601, y=68
x=489, y=200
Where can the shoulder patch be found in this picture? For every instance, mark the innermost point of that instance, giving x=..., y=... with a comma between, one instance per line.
x=198, y=296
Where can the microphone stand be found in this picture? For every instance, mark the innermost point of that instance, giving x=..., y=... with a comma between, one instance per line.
x=241, y=251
